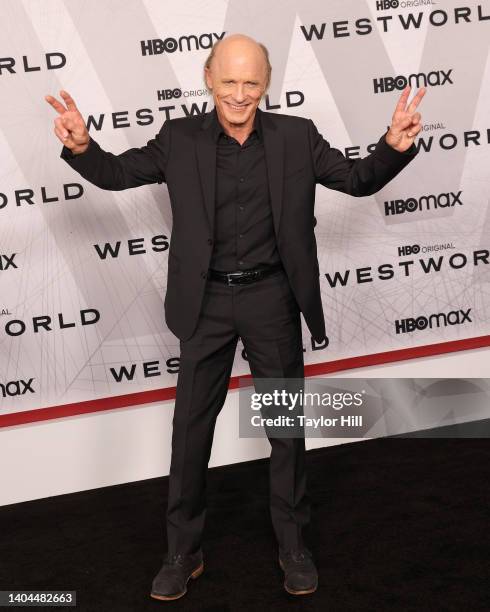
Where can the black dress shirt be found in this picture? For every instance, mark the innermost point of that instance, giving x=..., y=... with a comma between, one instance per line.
x=244, y=235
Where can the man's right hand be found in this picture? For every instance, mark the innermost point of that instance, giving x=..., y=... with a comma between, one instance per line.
x=69, y=126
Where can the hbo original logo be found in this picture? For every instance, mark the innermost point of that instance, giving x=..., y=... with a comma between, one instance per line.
x=384, y=5
x=169, y=94
x=409, y=249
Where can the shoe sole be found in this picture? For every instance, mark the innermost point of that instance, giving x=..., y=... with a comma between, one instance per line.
x=195, y=574
x=305, y=592
x=292, y=591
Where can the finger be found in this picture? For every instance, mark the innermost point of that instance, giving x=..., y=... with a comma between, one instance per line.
x=402, y=101
x=68, y=122
x=416, y=101
x=414, y=130
x=60, y=127
x=416, y=117
x=403, y=122
x=69, y=101
x=64, y=139
x=58, y=107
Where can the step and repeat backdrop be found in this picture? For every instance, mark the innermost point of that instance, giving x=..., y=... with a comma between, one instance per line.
x=83, y=271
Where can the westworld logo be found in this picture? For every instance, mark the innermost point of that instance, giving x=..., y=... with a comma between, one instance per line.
x=407, y=268
x=17, y=327
x=53, y=61
x=387, y=23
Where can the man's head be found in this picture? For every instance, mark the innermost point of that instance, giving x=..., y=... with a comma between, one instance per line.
x=237, y=71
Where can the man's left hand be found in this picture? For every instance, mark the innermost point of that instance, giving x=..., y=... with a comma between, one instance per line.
x=405, y=123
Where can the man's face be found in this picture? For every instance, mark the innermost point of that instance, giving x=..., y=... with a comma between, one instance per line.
x=237, y=78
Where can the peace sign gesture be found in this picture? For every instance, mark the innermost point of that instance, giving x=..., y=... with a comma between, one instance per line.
x=69, y=124
x=405, y=123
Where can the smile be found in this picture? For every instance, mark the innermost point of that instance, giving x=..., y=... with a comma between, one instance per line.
x=235, y=107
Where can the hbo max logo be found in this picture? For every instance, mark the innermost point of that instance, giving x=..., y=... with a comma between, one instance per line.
x=439, y=319
x=192, y=42
x=427, y=202
x=435, y=78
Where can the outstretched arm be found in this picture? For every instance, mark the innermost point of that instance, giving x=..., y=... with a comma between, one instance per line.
x=365, y=176
x=132, y=168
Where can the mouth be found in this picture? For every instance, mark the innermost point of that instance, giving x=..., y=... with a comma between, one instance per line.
x=237, y=107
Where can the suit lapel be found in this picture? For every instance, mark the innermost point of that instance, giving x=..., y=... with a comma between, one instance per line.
x=206, y=160
x=274, y=156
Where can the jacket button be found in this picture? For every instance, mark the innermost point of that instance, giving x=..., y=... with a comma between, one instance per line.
x=203, y=274
x=210, y=241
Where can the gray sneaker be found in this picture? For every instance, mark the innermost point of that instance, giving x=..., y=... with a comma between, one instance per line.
x=171, y=580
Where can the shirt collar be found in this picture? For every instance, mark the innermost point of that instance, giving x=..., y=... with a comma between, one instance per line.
x=218, y=128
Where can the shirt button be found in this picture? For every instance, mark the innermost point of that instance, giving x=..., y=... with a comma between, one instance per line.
x=241, y=179
x=240, y=263
x=210, y=241
x=241, y=207
x=241, y=235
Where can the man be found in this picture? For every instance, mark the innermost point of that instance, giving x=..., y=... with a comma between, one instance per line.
x=242, y=263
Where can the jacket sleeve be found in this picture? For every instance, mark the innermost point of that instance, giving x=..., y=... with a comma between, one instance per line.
x=132, y=168
x=357, y=177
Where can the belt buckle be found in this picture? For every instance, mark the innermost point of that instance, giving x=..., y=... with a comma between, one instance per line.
x=243, y=277
x=230, y=278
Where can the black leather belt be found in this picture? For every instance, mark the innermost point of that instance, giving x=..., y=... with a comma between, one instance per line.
x=242, y=277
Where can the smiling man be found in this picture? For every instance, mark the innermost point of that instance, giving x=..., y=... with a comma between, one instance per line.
x=238, y=73
x=242, y=264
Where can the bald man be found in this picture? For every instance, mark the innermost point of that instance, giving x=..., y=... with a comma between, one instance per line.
x=242, y=264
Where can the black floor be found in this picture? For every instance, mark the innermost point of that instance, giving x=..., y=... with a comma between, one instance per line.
x=397, y=524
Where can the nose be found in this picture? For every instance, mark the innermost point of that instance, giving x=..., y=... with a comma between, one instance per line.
x=239, y=93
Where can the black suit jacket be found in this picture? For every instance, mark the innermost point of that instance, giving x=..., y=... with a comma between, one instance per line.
x=183, y=155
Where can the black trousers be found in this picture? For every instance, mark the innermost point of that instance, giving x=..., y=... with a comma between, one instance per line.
x=266, y=316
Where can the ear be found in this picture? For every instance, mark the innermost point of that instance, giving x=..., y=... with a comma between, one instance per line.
x=209, y=79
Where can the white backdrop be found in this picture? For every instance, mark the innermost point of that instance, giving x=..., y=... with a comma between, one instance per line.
x=83, y=271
